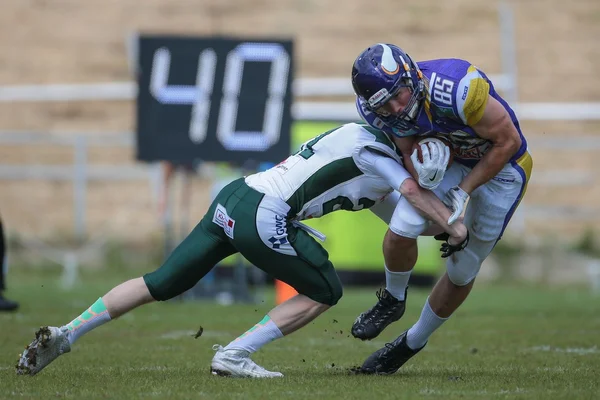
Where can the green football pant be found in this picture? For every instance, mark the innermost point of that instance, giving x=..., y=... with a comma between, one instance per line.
x=241, y=219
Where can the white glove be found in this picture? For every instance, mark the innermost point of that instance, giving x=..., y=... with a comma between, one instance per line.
x=435, y=161
x=455, y=200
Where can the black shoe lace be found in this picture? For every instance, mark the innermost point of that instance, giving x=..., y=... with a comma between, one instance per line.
x=387, y=353
x=392, y=347
x=384, y=306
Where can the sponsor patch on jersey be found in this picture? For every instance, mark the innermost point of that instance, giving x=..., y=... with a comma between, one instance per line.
x=286, y=164
x=464, y=95
x=223, y=220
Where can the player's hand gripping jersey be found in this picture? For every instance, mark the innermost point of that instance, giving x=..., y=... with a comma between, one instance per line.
x=352, y=167
x=457, y=97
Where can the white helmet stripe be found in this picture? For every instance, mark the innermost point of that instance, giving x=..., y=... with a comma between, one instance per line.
x=404, y=63
x=387, y=59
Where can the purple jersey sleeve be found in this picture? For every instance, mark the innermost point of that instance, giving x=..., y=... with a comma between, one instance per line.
x=458, y=90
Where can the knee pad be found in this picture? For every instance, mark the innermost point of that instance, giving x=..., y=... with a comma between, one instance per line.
x=463, y=267
x=333, y=295
x=406, y=221
x=317, y=281
x=336, y=294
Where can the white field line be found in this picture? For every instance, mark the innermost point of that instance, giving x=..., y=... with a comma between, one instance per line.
x=472, y=393
x=570, y=350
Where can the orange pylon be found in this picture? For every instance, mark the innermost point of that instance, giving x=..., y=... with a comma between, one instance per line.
x=283, y=291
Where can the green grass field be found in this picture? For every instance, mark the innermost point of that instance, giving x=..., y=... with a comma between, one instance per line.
x=506, y=342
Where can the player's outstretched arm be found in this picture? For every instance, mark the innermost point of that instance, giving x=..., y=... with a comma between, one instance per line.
x=491, y=121
x=424, y=201
x=495, y=125
x=432, y=208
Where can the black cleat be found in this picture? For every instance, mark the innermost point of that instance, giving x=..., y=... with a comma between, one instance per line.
x=7, y=305
x=390, y=358
x=371, y=323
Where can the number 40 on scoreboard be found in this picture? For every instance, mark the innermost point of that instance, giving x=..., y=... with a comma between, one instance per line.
x=215, y=99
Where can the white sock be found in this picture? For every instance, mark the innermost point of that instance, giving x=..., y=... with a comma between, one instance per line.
x=396, y=282
x=256, y=337
x=91, y=318
x=420, y=332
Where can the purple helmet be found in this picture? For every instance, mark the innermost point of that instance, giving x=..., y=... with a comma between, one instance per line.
x=378, y=74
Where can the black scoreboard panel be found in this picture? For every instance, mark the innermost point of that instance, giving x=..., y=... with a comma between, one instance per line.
x=214, y=98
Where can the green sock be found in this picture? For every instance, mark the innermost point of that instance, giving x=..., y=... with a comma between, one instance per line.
x=254, y=338
x=91, y=318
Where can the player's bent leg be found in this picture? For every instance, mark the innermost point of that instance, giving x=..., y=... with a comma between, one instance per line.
x=289, y=254
x=446, y=296
x=270, y=241
x=125, y=297
x=394, y=355
x=236, y=363
x=390, y=358
x=49, y=343
x=296, y=312
x=206, y=245
x=189, y=262
x=462, y=268
x=400, y=253
x=234, y=359
x=197, y=254
x=449, y=292
x=486, y=217
x=388, y=309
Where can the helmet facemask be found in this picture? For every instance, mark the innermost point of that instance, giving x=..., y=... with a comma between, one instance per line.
x=408, y=117
x=378, y=74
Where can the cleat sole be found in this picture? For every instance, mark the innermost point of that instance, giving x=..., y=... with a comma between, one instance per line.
x=220, y=372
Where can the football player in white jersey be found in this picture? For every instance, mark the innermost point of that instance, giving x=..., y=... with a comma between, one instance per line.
x=452, y=99
x=350, y=168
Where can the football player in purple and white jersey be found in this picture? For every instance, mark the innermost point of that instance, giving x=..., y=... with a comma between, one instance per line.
x=452, y=99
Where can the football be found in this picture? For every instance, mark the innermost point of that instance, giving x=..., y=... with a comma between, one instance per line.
x=430, y=139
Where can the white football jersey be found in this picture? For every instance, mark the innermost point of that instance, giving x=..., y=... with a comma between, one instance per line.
x=329, y=173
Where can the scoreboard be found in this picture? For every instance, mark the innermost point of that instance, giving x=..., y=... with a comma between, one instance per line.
x=213, y=99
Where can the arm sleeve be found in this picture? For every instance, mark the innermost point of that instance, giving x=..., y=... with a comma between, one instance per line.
x=386, y=167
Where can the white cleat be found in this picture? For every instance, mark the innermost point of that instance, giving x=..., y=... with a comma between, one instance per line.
x=50, y=342
x=237, y=363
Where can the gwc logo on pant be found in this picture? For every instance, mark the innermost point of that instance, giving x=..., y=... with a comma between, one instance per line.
x=280, y=237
